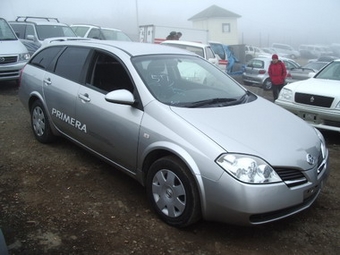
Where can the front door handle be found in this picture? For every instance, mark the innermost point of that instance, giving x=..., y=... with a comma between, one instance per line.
x=84, y=97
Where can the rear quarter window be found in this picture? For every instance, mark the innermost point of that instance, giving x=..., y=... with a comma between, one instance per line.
x=44, y=58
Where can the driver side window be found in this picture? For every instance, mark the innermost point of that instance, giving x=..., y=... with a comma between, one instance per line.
x=109, y=74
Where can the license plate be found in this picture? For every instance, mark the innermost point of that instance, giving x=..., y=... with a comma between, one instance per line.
x=309, y=117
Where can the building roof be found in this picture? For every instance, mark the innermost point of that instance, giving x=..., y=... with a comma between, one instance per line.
x=214, y=11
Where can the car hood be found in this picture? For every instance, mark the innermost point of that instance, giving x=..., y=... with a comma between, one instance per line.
x=258, y=128
x=317, y=86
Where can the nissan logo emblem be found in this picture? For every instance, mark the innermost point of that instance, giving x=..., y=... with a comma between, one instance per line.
x=310, y=159
x=312, y=99
x=2, y=59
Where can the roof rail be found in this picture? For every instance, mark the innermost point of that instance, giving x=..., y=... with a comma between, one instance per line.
x=25, y=18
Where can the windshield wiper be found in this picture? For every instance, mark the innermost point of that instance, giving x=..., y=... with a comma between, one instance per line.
x=212, y=101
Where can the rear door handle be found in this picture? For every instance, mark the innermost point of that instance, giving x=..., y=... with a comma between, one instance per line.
x=84, y=97
x=47, y=81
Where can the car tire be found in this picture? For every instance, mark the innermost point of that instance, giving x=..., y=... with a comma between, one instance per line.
x=172, y=192
x=267, y=84
x=40, y=123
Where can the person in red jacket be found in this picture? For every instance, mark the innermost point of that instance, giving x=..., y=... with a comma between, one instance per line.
x=277, y=72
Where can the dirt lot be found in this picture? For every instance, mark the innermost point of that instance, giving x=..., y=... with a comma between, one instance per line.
x=58, y=199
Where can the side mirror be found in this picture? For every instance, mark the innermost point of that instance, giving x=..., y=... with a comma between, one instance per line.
x=31, y=38
x=120, y=96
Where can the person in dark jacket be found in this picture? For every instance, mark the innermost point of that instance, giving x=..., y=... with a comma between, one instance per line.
x=277, y=72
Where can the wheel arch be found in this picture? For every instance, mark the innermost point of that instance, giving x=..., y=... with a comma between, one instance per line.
x=169, y=149
x=37, y=97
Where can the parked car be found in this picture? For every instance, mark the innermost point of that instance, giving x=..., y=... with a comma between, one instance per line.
x=254, y=52
x=32, y=31
x=203, y=50
x=313, y=51
x=101, y=33
x=305, y=72
x=206, y=151
x=286, y=49
x=316, y=100
x=13, y=54
x=256, y=71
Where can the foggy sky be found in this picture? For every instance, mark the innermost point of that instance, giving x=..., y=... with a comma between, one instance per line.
x=262, y=22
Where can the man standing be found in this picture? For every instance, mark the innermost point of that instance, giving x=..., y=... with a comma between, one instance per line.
x=277, y=73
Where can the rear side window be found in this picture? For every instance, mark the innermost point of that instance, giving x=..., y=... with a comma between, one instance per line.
x=71, y=62
x=44, y=58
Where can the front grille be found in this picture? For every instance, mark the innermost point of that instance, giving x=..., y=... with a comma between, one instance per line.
x=332, y=123
x=7, y=60
x=315, y=100
x=292, y=177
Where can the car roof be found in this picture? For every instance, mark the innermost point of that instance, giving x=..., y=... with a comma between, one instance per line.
x=131, y=48
x=188, y=43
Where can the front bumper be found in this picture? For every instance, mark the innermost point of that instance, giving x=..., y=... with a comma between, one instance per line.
x=322, y=118
x=11, y=71
x=231, y=201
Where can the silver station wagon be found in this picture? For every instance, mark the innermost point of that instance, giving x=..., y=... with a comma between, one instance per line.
x=203, y=148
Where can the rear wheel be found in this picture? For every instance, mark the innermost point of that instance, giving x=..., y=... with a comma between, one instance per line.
x=267, y=84
x=40, y=124
x=172, y=192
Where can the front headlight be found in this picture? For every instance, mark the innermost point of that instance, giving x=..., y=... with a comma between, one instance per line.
x=24, y=57
x=286, y=94
x=323, y=143
x=249, y=169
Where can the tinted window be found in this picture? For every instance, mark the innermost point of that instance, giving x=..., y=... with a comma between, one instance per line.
x=48, y=31
x=70, y=63
x=45, y=57
x=109, y=74
x=19, y=30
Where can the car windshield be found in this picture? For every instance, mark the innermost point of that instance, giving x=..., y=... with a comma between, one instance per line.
x=6, y=33
x=115, y=35
x=331, y=72
x=50, y=31
x=188, y=81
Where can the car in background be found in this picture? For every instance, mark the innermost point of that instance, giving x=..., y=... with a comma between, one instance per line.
x=101, y=33
x=305, y=72
x=317, y=99
x=286, y=49
x=325, y=58
x=256, y=71
x=13, y=54
x=201, y=150
x=32, y=31
x=203, y=50
x=253, y=52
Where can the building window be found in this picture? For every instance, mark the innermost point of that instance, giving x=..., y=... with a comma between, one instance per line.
x=226, y=28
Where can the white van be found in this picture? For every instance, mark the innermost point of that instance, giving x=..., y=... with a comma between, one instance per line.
x=286, y=49
x=13, y=54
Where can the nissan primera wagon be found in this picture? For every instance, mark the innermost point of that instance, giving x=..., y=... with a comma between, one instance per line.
x=203, y=149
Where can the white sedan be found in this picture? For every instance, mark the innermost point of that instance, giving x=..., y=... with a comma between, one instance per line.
x=316, y=100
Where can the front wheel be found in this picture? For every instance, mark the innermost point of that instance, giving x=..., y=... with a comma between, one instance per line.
x=172, y=192
x=40, y=124
x=267, y=84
